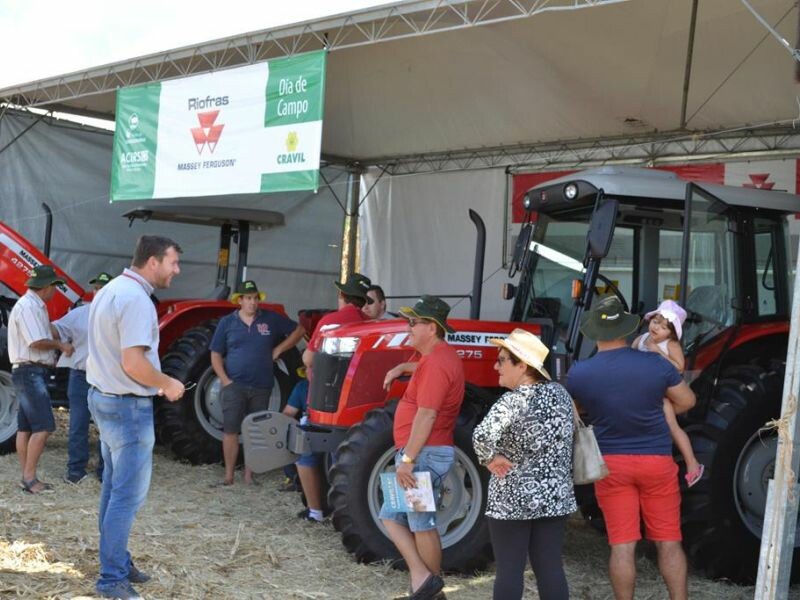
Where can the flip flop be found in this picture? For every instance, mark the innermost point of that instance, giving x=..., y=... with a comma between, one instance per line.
x=692, y=477
x=28, y=487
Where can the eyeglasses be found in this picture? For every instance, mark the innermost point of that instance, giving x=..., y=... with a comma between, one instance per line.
x=501, y=360
x=414, y=322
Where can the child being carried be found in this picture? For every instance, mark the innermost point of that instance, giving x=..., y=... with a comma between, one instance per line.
x=663, y=337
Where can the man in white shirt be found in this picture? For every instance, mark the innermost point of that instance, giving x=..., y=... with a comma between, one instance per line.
x=74, y=326
x=31, y=348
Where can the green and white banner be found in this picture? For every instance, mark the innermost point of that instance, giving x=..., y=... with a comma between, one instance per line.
x=253, y=129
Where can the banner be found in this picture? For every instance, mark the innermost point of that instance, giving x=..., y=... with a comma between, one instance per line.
x=252, y=129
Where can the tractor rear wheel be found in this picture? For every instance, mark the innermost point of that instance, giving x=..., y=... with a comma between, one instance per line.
x=192, y=427
x=355, y=496
x=723, y=514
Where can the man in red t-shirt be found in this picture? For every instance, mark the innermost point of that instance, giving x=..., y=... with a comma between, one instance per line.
x=423, y=435
x=352, y=297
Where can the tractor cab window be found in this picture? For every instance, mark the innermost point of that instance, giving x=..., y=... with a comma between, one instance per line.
x=710, y=276
x=769, y=237
x=557, y=249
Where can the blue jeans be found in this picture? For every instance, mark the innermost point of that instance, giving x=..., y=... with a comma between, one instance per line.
x=78, y=444
x=127, y=437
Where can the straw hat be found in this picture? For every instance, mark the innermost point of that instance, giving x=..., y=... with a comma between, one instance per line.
x=526, y=347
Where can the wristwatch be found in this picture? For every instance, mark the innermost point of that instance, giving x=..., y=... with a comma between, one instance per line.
x=406, y=459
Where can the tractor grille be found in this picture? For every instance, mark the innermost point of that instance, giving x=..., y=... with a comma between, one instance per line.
x=328, y=373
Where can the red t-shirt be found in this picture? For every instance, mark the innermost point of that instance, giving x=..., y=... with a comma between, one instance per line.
x=349, y=314
x=438, y=383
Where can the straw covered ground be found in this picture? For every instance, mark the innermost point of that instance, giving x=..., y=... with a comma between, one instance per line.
x=203, y=542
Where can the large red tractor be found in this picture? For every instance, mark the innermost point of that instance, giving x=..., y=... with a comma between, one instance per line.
x=192, y=427
x=642, y=235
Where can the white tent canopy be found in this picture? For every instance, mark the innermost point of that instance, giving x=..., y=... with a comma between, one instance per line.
x=504, y=74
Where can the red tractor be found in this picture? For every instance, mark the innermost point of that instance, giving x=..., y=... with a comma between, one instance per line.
x=642, y=235
x=191, y=428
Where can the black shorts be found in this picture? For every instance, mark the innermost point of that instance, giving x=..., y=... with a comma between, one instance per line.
x=238, y=401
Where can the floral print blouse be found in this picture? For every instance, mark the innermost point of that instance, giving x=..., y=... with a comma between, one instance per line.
x=533, y=427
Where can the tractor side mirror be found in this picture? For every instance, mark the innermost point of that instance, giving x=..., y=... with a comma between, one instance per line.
x=601, y=230
x=523, y=241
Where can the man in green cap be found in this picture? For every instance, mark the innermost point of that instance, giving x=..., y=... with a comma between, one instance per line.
x=424, y=426
x=623, y=391
x=32, y=350
x=100, y=280
x=351, y=299
x=244, y=346
x=74, y=326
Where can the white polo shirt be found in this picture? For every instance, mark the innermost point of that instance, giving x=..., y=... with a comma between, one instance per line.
x=74, y=327
x=122, y=315
x=29, y=322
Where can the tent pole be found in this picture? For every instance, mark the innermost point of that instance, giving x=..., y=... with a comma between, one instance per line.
x=780, y=512
x=687, y=74
x=350, y=233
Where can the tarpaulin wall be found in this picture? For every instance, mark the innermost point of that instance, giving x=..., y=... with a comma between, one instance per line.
x=69, y=167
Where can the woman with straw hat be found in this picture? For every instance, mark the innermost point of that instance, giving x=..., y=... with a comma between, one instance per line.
x=526, y=443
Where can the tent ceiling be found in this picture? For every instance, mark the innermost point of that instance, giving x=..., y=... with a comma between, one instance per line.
x=523, y=76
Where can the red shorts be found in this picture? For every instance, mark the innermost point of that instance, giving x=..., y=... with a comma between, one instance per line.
x=646, y=484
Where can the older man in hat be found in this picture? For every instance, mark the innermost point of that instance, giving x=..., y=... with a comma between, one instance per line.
x=424, y=426
x=622, y=391
x=351, y=299
x=243, y=349
x=74, y=326
x=31, y=349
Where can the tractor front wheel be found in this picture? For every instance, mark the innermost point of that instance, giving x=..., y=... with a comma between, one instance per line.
x=355, y=496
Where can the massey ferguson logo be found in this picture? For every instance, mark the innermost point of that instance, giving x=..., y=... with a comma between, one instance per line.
x=759, y=181
x=208, y=133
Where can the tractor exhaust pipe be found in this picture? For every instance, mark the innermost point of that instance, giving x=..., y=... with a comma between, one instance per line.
x=48, y=229
x=477, y=274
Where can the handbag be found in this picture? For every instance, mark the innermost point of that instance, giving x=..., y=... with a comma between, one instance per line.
x=588, y=465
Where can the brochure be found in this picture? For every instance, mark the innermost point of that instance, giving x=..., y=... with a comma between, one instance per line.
x=416, y=499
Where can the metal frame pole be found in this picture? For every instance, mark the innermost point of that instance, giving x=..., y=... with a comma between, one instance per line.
x=350, y=232
x=780, y=514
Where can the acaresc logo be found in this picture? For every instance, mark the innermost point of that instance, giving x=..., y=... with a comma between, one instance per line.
x=137, y=157
x=291, y=156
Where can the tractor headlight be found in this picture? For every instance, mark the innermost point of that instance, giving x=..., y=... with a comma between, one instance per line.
x=340, y=345
x=571, y=191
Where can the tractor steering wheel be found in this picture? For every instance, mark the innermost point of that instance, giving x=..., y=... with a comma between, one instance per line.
x=610, y=285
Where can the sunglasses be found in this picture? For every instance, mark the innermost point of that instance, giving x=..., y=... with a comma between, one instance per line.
x=501, y=360
x=412, y=322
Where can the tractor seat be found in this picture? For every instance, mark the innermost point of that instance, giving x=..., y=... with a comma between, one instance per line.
x=710, y=301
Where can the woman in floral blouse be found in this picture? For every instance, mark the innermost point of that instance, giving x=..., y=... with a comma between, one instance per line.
x=526, y=443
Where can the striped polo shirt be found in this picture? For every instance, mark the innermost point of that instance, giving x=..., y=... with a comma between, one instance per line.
x=28, y=322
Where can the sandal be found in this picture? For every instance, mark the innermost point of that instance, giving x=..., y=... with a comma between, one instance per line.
x=222, y=483
x=34, y=486
x=692, y=477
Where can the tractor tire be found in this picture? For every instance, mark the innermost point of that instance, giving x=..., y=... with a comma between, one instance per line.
x=355, y=497
x=723, y=513
x=192, y=427
x=8, y=414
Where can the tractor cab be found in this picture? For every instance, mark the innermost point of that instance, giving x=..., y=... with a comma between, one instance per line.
x=645, y=236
